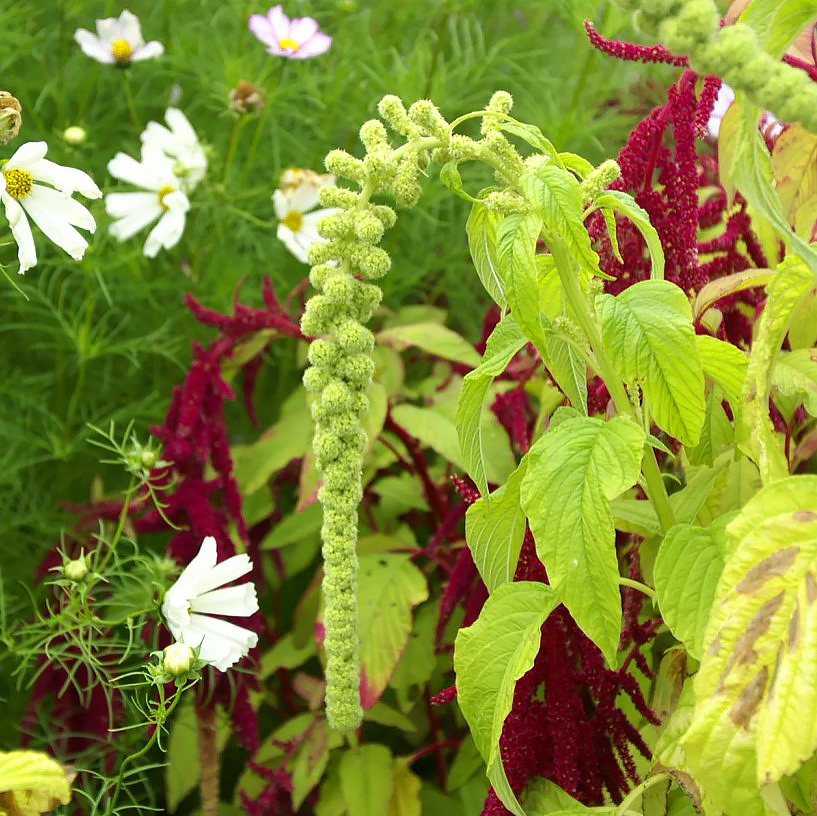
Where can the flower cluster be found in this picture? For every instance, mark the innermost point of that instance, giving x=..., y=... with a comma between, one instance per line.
x=172, y=163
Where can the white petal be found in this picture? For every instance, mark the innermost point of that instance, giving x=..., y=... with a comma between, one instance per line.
x=316, y=45
x=148, y=51
x=222, y=643
x=279, y=23
x=238, y=600
x=287, y=238
x=93, y=47
x=122, y=205
x=55, y=225
x=260, y=26
x=126, y=168
x=129, y=29
x=176, y=201
x=180, y=126
x=26, y=155
x=108, y=30
x=165, y=234
x=127, y=226
x=281, y=205
x=66, y=179
x=21, y=232
x=301, y=30
x=63, y=206
x=204, y=561
x=304, y=197
x=223, y=573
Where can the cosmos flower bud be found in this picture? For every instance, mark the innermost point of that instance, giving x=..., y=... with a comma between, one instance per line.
x=245, y=98
x=75, y=570
x=178, y=659
x=75, y=135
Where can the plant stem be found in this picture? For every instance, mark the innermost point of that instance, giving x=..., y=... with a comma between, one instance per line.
x=656, y=492
x=208, y=760
x=629, y=582
x=638, y=791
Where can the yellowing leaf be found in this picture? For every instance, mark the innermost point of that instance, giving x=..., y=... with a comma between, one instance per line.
x=405, y=799
x=794, y=164
x=32, y=783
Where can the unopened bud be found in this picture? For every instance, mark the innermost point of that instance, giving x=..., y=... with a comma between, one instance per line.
x=10, y=117
x=178, y=659
x=75, y=570
x=75, y=135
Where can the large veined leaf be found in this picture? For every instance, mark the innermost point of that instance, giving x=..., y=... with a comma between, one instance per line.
x=794, y=162
x=567, y=365
x=505, y=341
x=716, y=434
x=367, y=780
x=686, y=574
x=432, y=338
x=389, y=585
x=489, y=657
x=778, y=22
x=794, y=376
x=494, y=529
x=556, y=195
x=755, y=717
x=647, y=331
x=625, y=205
x=724, y=364
x=31, y=782
x=755, y=433
x=517, y=236
x=309, y=763
x=481, y=230
x=573, y=472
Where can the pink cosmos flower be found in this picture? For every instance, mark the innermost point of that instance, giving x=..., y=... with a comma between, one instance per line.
x=294, y=39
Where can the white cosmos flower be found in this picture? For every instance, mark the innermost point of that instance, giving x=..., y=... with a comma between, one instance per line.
x=52, y=210
x=117, y=41
x=723, y=101
x=297, y=227
x=178, y=141
x=163, y=199
x=195, y=596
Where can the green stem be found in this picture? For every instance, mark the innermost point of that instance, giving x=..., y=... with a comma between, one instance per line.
x=262, y=120
x=629, y=582
x=235, y=132
x=130, y=101
x=120, y=526
x=656, y=492
x=638, y=791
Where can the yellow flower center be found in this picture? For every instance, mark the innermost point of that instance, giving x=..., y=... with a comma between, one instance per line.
x=293, y=221
x=18, y=183
x=162, y=193
x=121, y=51
x=288, y=45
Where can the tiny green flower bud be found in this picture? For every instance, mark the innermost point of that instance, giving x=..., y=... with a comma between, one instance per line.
x=368, y=227
x=373, y=262
x=148, y=458
x=337, y=197
x=385, y=214
x=75, y=570
x=75, y=135
x=178, y=659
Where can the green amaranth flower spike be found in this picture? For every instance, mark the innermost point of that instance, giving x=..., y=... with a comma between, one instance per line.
x=733, y=53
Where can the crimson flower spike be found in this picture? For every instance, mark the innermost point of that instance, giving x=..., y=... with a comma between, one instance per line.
x=629, y=52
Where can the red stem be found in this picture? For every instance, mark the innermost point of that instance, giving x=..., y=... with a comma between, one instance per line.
x=436, y=744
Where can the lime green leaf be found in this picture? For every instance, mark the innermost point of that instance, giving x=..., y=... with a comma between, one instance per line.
x=505, y=341
x=285, y=654
x=647, y=331
x=367, y=780
x=724, y=364
x=433, y=339
x=755, y=718
x=794, y=375
x=517, y=236
x=557, y=197
x=686, y=573
x=754, y=432
x=294, y=527
x=307, y=766
x=794, y=164
x=481, y=230
x=389, y=585
x=567, y=366
x=803, y=321
x=466, y=764
x=182, y=775
x=573, y=472
x=254, y=465
x=719, y=288
x=700, y=482
x=32, y=783
x=717, y=432
x=405, y=799
x=418, y=659
x=402, y=493
x=778, y=22
x=382, y=714
x=489, y=657
x=545, y=798
x=577, y=165
x=450, y=177
x=494, y=529
x=624, y=204
x=532, y=135
x=635, y=516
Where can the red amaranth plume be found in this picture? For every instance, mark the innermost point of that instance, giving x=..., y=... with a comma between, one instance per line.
x=627, y=52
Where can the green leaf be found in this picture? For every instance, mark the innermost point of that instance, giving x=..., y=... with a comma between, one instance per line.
x=481, y=230
x=647, y=331
x=566, y=364
x=309, y=763
x=625, y=204
x=532, y=135
x=778, y=22
x=466, y=764
x=450, y=177
x=182, y=775
x=404, y=492
x=367, y=780
x=294, y=527
x=433, y=339
x=794, y=375
x=389, y=585
x=505, y=341
x=686, y=503
x=517, y=236
x=724, y=364
x=635, y=516
x=405, y=799
x=382, y=714
x=573, y=472
x=489, y=657
x=254, y=465
x=755, y=433
x=33, y=782
x=755, y=717
x=285, y=654
x=803, y=321
x=794, y=164
x=717, y=432
x=557, y=197
x=686, y=573
x=418, y=659
x=494, y=529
